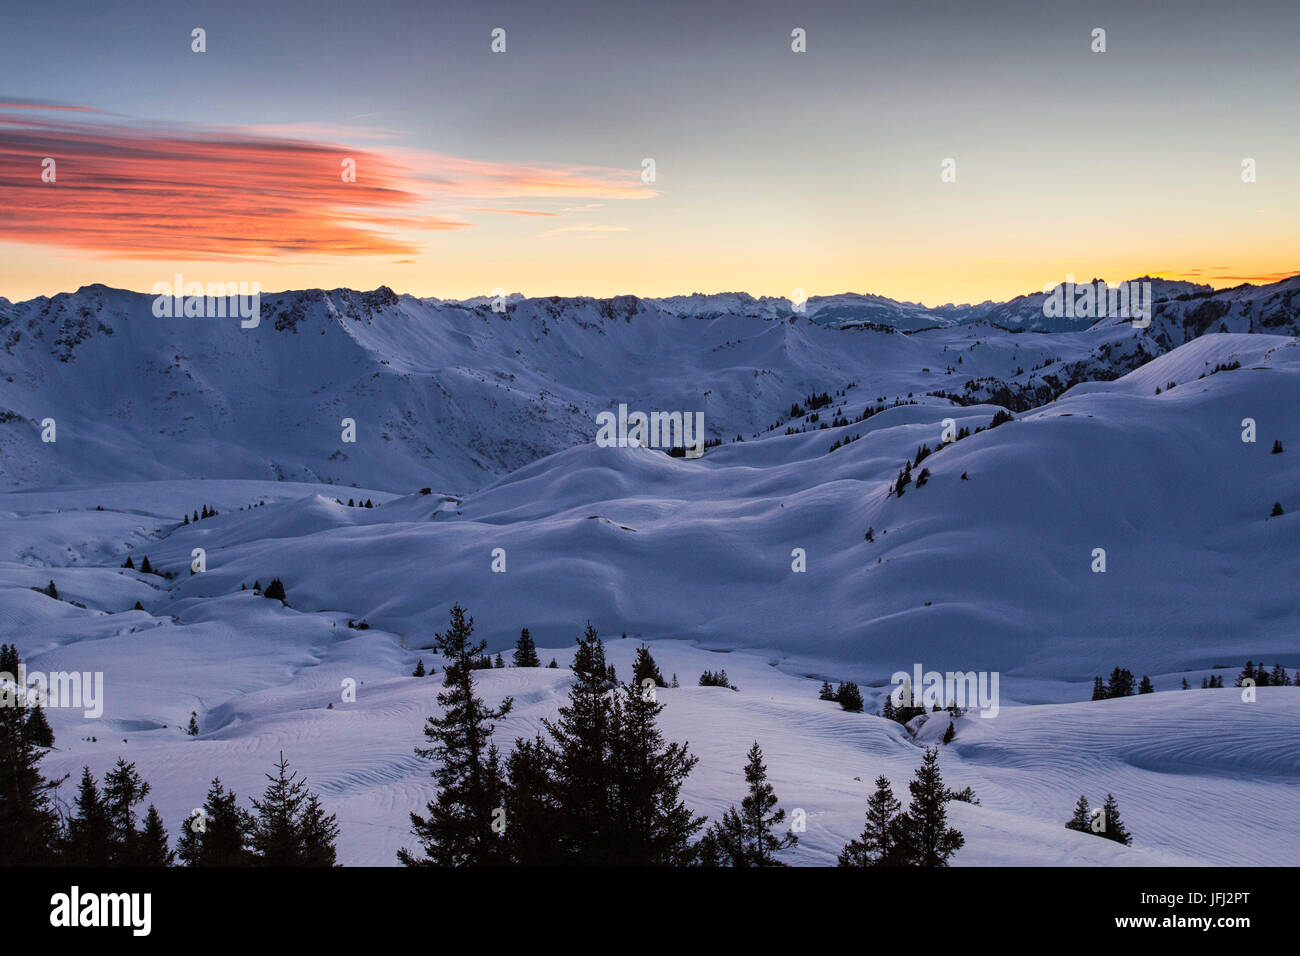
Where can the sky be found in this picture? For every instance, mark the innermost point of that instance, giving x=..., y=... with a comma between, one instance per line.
x=774, y=171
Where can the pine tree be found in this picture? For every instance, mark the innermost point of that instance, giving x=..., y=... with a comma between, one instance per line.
x=145, y=566
x=1277, y=510
x=888, y=711
x=1082, y=819
x=1098, y=689
x=1247, y=674
x=747, y=837
x=129, y=564
x=193, y=728
x=89, y=840
x=38, y=728
x=644, y=667
x=290, y=828
x=850, y=697
x=457, y=830
x=219, y=835
x=275, y=590
x=581, y=740
x=29, y=822
x=1279, y=677
x=827, y=691
x=950, y=733
x=930, y=841
x=500, y=661
x=525, y=651
x=530, y=805
x=1185, y=684
x=675, y=684
x=123, y=789
x=878, y=844
x=1277, y=447
x=153, y=848
x=553, y=663
x=9, y=661
x=1145, y=687
x=652, y=824
x=1121, y=683
x=419, y=668
x=52, y=591
x=1114, y=825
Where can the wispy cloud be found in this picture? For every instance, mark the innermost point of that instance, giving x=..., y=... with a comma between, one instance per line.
x=582, y=227
x=147, y=191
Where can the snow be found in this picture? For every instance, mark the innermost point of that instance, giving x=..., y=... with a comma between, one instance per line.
x=494, y=415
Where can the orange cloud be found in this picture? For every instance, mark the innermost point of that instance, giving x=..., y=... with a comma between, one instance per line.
x=207, y=193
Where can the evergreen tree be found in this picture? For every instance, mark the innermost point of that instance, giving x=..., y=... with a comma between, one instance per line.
x=38, y=728
x=219, y=835
x=500, y=661
x=89, y=840
x=129, y=564
x=1145, y=687
x=419, y=668
x=581, y=741
x=290, y=828
x=193, y=728
x=526, y=651
x=123, y=789
x=1247, y=674
x=827, y=691
x=457, y=830
x=675, y=684
x=1121, y=683
x=9, y=661
x=1279, y=677
x=888, y=711
x=1114, y=825
x=153, y=848
x=878, y=844
x=275, y=590
x=644, y=667
x=52, y=591
x=747, y=837
x=850, y=697
x=553, y=663
x=145, y=566
x=653, y=825
x=1082, y=819
x=29, y=822
x=1098, y=689
x=1277, y=510
x=929, y=840
x=530, y=804
x=950, y=733
x=1185, y=684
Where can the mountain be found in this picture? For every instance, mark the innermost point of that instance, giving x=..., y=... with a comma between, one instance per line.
x=454, y=395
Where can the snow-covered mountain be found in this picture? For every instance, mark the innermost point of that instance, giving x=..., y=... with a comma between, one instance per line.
x=788, y=555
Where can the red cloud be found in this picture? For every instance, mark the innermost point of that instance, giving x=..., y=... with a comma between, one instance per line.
x=202, y=193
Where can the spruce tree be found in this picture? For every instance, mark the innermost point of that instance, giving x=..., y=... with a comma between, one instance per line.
x=153, y=848
x=1145, y=687
x=1115, y=829
x=747, y=837
x=275, y=590
x=525, y=651
x=827, y=691
x=219, y=835
x=193, y=728
x=38, y=728
x=288, y=830
x=52, y=591
x=530, y=805
x=930, y=841
x=29, y=821
x=581, y=740
x=123, y=789
x=644, y=668
x=653, y=825
x=1098, y=689
x=457, y=830
x=950, y=733
x=145, y=566
x=1082, y=819
x=850, y=697
x=89, y=839
x=500, y=661
x=878, y=844
x=419, y=668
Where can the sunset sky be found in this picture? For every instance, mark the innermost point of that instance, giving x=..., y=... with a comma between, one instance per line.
x=521, y=170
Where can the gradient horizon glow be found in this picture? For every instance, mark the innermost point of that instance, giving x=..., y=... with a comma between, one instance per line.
x=521, y=171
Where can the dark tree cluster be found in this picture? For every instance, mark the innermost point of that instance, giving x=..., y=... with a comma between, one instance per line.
x=1105, y=822
x=918, y=837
